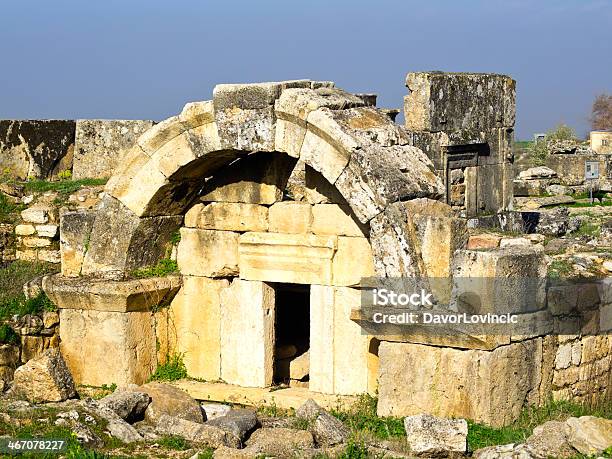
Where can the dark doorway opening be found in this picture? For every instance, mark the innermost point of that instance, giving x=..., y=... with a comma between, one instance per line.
x=292, y=334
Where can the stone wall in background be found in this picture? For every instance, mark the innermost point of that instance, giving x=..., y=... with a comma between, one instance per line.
x=36, y=148
x=42, y=149
x=99, y=145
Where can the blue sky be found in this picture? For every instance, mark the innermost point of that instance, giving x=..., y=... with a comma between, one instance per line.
x=145, y=59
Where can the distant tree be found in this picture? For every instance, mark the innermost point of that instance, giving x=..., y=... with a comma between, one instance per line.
x=601, y=115
x=541, y=150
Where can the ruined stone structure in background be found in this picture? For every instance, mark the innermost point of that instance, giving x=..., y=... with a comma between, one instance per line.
x=601, y=142
x=465, y=123
x=43, y=149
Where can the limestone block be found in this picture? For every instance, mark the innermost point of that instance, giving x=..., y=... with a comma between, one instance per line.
x=9, y=355
x=483, y=241
x=338, y=348
x=486, y=386
x=333, y=219
x=102, y=347
x=110, y=295
x=36, y=148
x=31, y=347
x=295, y=258
x=36, y=242
x=217, y=253
x=121, y=241
x=500, y=281
x=353, y=261
x=161, y=133
x=49, y=231
x=27, y=255
x=247, y=333
x=25, y=230
x=100, y=145
x=196, y=114
x=227, y=216
x=36, y=214
x=192, y=326
x=50, y=256
x=290, y=217
x=259, y=178
x=75, y=230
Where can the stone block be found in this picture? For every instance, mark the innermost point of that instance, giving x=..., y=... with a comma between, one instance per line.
x=290, y=217
x=217, y=253
x=36, y=148
x=191, y=327
x=247, y=333
x=339, y=362
x=49, y=231
x=227, y=216
x=486, y=386
x=84, y=293
x=36, y=242
x=75, y=230
x=353, y=261
x=483, y=241
x=50, y=256
x=101, y=144
x=102, y=347
x=295, y=258
x=334, y=219
x=36, y=214
x=259, y=178
x=25, y=230
x=509, y=280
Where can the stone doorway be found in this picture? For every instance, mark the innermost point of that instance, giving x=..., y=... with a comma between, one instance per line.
x=292, y=334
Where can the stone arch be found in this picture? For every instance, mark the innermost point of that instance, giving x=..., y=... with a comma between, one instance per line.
x=357, y=148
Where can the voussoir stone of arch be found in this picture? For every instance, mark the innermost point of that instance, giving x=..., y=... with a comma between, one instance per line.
x=121, y=241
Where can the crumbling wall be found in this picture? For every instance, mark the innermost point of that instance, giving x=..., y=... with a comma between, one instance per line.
x=465, y=123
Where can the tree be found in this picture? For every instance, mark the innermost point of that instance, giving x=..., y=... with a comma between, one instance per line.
x=601, y=116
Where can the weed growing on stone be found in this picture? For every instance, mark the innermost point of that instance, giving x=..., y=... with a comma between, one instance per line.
x=164, y=267
x=172, y=370
x=21, y=306
x=173, y=442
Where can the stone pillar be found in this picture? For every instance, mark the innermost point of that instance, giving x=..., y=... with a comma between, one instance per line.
x=247, y=333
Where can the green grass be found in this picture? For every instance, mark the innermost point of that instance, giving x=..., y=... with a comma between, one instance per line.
x=164, y=267
x=173, y=442
x=588, y=229
x=63, y=186
x=481, y=436
x=362, y=417
x=605, y=203
x=560, y=268
x=208, y=453
x=173, y=370
x=9, y=210
x=8, y=335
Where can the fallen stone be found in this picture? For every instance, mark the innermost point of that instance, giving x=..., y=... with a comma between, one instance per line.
x=329, y=431
x=589, y=434
x=281, y=442
x=537, y=173
x=537, y=203
x=550, y=440
x=116, y=427
x=430, y=435
x=309, y=410
x=214, y=410
x=236, y=422
x=206, y=434
x=515, y=242
x=559, y=190
x=129, y=406
x=44, y=379
x=510, y=451
x=483, y=241
x=299, y=367
x=170, y=401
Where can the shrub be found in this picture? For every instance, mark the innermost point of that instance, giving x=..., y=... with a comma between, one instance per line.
x=539, y=150
x=362, y=417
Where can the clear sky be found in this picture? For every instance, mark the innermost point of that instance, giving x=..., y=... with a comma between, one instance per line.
x=146, y=58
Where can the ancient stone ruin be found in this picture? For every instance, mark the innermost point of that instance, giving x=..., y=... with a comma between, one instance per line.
x=277, y=201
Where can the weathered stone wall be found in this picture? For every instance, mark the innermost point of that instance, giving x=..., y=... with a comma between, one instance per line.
x=570, y=168
x=36, y=148
x=101, y=144
x=44, y=148
x=7, y=243
x=465, y=123
x=601, y=141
